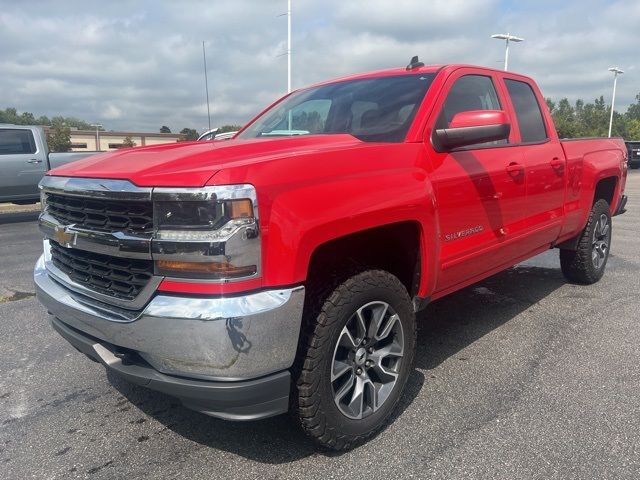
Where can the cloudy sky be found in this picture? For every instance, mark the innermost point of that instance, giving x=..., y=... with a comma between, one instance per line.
x=138, y=64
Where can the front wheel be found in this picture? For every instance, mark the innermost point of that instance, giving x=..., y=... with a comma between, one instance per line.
x=357, y=353
x=587, y=262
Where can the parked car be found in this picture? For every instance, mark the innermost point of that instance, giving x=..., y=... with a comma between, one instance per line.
x=634, y=154
x=212, y=135
x=24, y=160
x=284, y=271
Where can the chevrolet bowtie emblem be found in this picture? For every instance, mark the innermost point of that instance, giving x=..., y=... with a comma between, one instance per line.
x=63, y=237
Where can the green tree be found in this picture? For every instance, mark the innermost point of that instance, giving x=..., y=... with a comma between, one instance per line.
x=128, y=142
x=190, y=134
x=79, y=124
x=564, y=118
x=633, y=129
x=9, y=115
x=59, y=138
x=165, y=129
x=72, y=122
x=633, y=112
x=551, y=105
x=228, y=128
x=592, y=118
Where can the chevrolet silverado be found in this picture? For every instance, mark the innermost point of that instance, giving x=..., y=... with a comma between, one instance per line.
x=282, y=270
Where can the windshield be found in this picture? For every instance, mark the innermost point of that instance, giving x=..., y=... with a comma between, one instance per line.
x=373, y=109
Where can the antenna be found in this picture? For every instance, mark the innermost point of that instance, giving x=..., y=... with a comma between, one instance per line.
x=415, y=63
x=206, y=83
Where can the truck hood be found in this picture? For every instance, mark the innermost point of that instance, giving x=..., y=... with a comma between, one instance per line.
x=192, y=164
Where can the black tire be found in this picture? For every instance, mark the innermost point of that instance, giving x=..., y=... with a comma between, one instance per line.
x=580, y=265
x=326, y=318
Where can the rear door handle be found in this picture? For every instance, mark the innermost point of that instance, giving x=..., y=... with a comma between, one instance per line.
x=515, y=169
x=34, y=160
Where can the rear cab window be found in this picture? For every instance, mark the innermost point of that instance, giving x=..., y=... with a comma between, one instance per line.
x=16, y=142
x=528, y=111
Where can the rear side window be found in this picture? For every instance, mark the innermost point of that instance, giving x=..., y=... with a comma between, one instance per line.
x=527, y=111
x=14, y=142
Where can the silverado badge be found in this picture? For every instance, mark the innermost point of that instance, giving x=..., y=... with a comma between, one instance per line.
x=463, y=233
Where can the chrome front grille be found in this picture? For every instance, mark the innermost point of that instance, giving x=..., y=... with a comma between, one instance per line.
x=101, y=214
x=121, y=278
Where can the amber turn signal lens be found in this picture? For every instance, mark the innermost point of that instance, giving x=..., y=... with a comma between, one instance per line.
x=214, y=268
x=240, y=209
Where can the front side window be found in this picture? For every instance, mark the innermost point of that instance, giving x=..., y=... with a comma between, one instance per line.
x=469, y=93
x=371, y=109
x=16, y=142
x=528, y=111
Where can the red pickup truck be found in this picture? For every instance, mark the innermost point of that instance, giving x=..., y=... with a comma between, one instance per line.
x=282, y=269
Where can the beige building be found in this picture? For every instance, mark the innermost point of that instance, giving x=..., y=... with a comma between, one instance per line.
x=87, y=140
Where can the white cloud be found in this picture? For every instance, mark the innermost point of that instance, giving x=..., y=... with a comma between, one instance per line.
x=138, y=65
x=111, y=112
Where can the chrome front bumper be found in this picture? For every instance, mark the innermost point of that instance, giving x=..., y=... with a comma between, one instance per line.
x=216, y=339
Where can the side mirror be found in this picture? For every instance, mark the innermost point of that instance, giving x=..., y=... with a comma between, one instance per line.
x=469, y=128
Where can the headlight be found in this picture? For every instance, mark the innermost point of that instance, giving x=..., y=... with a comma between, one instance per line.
x=208, y=220
x=209, y=233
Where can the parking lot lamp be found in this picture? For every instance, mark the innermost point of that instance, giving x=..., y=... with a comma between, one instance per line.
x=507, y=38
x=616, y=71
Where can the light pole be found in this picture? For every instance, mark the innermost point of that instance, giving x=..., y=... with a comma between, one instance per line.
x=616, y=71
x=206, y=84
x=507, y=38
x=289, y=46
x=97, y=127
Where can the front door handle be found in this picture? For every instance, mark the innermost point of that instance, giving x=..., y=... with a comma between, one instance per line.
x=557, y=164
x=34, y=160
x=515, y=169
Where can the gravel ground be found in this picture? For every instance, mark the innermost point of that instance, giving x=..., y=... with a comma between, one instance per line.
x=519, y=376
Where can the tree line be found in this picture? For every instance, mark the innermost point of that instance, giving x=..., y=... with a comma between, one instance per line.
x=572, y=120
x=582, y=119
x=59, y=135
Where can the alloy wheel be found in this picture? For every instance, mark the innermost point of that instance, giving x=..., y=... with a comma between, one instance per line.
x=367, y=360
x=600, y=241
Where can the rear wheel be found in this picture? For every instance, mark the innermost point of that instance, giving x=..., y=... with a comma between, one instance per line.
x=357, y=353
x=586, y=264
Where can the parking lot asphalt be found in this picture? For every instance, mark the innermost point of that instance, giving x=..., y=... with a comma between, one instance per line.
x=520, y=376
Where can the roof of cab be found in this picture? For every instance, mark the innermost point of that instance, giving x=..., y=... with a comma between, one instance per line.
x=413, y=71
x=382, y=73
